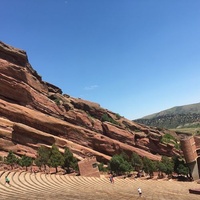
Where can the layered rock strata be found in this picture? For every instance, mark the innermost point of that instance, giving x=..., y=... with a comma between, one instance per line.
x=34, y=113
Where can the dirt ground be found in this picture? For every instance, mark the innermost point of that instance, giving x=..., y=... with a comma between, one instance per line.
x=31, y=186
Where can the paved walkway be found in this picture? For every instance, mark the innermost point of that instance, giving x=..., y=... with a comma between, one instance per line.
x=29, y=186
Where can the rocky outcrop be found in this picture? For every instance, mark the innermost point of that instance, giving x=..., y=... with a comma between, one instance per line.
x=34, y=113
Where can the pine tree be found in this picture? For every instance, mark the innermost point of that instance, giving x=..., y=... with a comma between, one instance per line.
x=56, y=158
x=180, y=166
x=119, y=165
x=136, y=161
x=69, y=160
x=11, y=159
x=149, y=166
x=42, y=159
x=25, y=161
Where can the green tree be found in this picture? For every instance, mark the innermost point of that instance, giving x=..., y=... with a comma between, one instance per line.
x=166, y=165
x=183, y=169
x=119, y=165
x=180, y=166
x=25, y=161
x=149, y=166
x=125, y=156
x=56, y=159
x=161, y=168
x=168, y=162
x=42, y=158
x=11, y=159
x=136, y=161
x=69, y=160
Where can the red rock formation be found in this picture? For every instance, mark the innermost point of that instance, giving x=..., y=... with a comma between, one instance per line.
x=34, y=113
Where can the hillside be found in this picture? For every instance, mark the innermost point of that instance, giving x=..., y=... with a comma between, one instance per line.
x=34, y=113
x=187, y=116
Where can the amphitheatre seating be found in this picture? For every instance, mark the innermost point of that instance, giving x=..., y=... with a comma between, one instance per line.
x=40, y=186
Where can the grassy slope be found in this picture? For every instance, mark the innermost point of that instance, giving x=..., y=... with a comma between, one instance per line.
x=193, y=128
x=184, y=118
x=186, y=109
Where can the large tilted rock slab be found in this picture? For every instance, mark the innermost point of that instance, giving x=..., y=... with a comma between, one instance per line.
x=47, y=130
x=34, y=112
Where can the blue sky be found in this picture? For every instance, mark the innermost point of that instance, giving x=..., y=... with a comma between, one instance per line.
x=133, y=57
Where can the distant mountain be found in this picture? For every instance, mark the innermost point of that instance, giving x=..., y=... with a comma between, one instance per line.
x=179, y=116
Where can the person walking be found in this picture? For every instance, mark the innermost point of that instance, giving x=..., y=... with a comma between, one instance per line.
x=139, y=192
x=7, y=180
x=111, y=178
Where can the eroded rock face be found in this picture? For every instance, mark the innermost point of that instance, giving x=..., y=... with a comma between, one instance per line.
x=34, y=113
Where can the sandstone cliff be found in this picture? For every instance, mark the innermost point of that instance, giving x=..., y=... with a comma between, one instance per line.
x=34, y=112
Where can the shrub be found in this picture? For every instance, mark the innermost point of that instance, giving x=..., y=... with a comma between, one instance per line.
x=118, y=116
x=168, y=138
x=57, y=101
x=105, y=117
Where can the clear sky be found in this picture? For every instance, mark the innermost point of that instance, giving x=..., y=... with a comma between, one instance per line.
x=133, y=57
